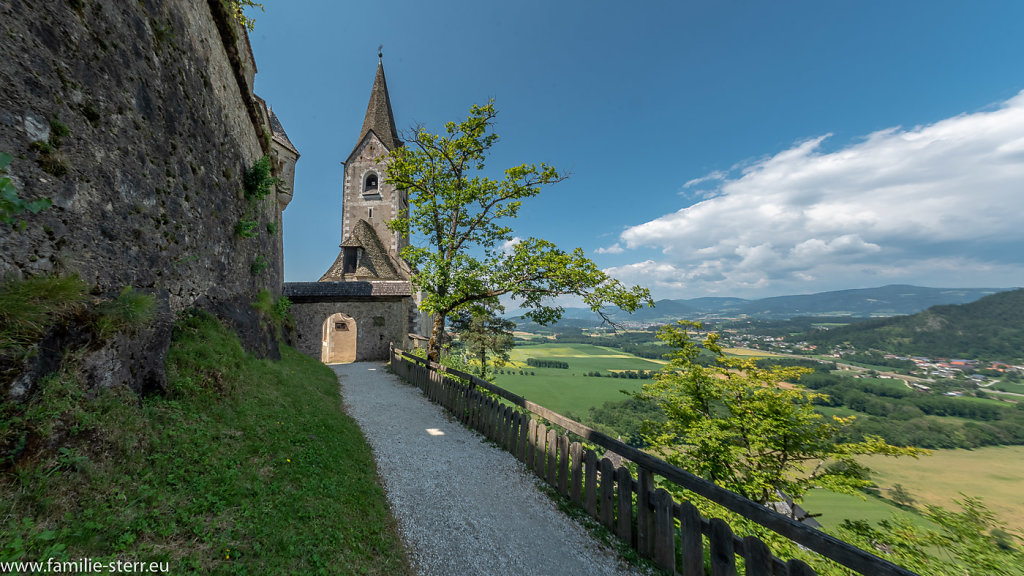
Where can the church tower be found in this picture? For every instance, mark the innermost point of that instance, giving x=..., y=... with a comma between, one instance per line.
x=369, y=250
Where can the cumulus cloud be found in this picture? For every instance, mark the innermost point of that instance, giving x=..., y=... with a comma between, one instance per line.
x=805, y=219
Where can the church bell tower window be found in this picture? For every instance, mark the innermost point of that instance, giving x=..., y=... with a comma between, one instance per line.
x=370, y=184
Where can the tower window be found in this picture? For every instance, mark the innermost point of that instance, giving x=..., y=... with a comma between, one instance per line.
x=349, y=258
x=370, y=185
x=370, y=210
x=341, y=327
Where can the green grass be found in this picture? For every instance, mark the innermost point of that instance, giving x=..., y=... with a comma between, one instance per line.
x=993, y=473
x=245, y=466
x=29, y=307
x=834, y=508
x=891, y=383
x=1015, y=387
x=559, y=390
x=990, y=401
x=841, y=411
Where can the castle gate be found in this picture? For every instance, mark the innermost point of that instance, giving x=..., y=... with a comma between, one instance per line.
x=339, y=339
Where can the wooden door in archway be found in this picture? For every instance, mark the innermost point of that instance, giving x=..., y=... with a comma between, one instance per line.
x=339, y=339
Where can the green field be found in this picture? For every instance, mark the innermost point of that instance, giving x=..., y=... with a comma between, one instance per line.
x=834, y=508
x=570, y=391
x=891, y=383
x=750, y=352
x=1015, y=387
x=992, y=473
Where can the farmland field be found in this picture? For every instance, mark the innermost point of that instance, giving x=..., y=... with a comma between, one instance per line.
x=834, y=508
x=749, y=352
x=570, y=391
x=993, y=473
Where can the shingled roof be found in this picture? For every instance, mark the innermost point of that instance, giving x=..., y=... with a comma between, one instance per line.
x=379, y=117
x=374, y=262
x=343, y=291
x=277, y=129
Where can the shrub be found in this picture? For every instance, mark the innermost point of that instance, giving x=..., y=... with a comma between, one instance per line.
x=12, y=205
x=258, y=180
x=128, y=313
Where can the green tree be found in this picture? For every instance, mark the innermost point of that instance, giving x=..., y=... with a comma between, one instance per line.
x=969, y=542
x=734, y=424
x=483, y=332
x=900, y=495
x=469, y=255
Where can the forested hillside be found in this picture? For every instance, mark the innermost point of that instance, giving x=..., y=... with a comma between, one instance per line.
x=990, y=329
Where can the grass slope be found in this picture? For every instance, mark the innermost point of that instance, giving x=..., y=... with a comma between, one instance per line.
x=992, y=473
x=244, y=467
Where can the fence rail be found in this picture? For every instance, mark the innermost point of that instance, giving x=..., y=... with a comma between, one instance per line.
x=668, y=532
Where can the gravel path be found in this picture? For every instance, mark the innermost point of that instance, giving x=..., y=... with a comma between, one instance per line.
x=464, y=506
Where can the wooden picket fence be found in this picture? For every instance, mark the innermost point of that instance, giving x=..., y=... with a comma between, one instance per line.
x=667, y=532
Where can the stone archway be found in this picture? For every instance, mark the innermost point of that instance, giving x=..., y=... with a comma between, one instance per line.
x=339, y=339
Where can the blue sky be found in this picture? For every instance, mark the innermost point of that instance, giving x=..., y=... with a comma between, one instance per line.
x=729, y=148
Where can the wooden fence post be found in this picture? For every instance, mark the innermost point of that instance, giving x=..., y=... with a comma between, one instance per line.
x=539, y=455
x=664, y=534
x=624, y=529
x=607, y=494
x=723, y=553
x=757, y=557
x=576, y=472
x=590, y=483
x=505, y=428
x=644, y=518
x=493, y=418
x=524, y=438
x=478, y=409
x=691, y=543
x=487, y=426
x=552, y=453
x=563, y=465
x=798, y=568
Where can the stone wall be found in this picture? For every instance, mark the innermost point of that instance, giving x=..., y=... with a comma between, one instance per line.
x=379, y=322
x=137, y=119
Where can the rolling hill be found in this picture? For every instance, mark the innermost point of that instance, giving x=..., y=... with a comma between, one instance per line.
x=991, y=328
x=892, y=300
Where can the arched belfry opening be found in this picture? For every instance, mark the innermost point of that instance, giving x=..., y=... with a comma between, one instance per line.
x=339, y=339
x=370, y=184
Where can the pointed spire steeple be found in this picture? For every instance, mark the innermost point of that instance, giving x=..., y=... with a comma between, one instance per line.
x=379, y=117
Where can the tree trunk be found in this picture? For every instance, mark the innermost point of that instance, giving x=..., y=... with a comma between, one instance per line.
x=483, y=362
x=436, y=334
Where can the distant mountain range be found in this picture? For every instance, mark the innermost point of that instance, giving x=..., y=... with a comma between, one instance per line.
x=991, y=328
x=885, y=301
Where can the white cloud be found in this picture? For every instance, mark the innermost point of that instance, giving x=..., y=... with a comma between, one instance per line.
x=717, y=175
x=507, y=245
x=805, y=219
x=613, y=249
